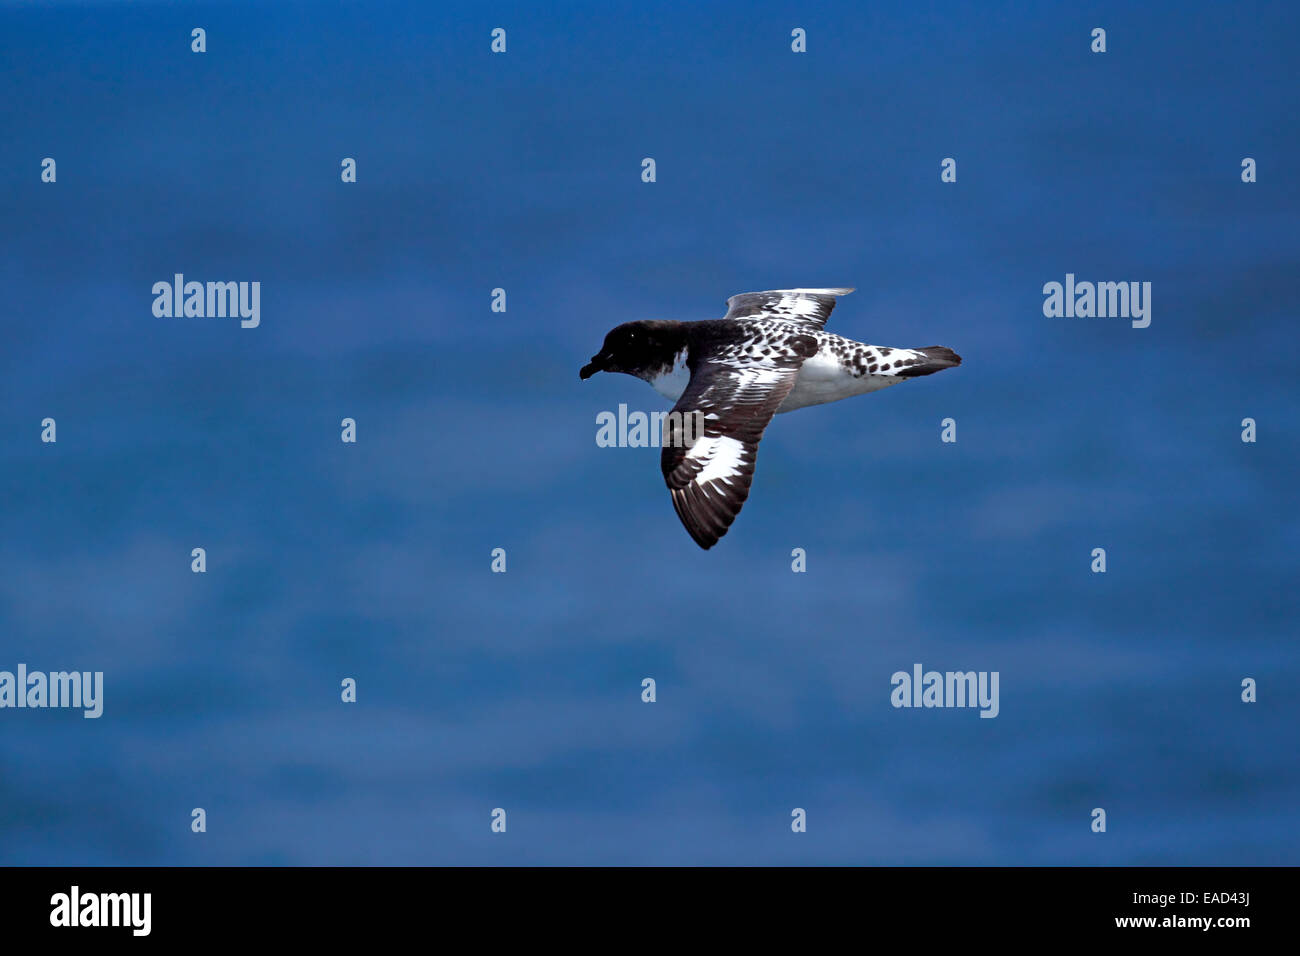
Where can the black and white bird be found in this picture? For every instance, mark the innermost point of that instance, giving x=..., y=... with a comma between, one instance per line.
x=769, y=354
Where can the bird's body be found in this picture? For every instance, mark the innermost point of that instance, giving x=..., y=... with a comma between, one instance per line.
x=769, y=354
x=840, y=368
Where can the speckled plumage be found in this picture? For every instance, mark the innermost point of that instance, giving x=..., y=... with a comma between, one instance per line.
x=768, y=354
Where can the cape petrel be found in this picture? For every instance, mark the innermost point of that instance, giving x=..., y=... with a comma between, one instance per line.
x=768, y=354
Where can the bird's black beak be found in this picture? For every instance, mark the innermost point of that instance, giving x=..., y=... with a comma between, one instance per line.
x=591, y=368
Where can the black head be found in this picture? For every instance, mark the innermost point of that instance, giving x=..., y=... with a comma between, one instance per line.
x=637, y=348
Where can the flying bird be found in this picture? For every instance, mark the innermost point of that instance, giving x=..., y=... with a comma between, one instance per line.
x=769, y=354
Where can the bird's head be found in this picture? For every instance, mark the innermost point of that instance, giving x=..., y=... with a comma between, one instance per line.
x=635, y=346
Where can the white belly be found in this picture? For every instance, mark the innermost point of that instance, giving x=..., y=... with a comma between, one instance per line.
x=823, y=379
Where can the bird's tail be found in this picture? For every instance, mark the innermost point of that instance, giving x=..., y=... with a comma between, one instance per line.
x=937, y=358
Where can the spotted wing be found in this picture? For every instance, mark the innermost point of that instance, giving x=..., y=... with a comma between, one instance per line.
x=711, y=440
x=807, y=307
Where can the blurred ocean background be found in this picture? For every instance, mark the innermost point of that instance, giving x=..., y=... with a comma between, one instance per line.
x=522, y=690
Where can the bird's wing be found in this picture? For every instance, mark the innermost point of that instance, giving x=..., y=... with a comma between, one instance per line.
x=711, y=440
x=809, y=307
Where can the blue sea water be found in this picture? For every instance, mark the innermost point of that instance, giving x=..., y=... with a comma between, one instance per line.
x=522, y=690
